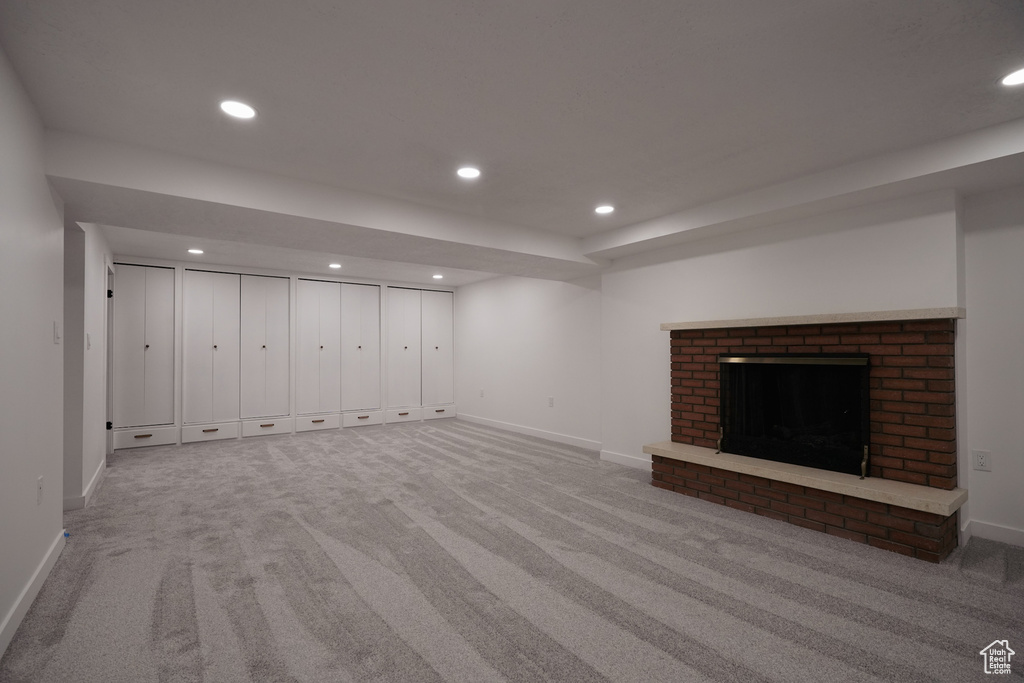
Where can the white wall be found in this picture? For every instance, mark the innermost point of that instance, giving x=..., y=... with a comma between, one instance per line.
x=995, y=361
x=892, y=256
x=74, y=333
x=31, y=365
x=86, y=256
x=522, y=341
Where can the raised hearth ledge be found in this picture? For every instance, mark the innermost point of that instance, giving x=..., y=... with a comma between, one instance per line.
x=822, y=319
x=923, y=498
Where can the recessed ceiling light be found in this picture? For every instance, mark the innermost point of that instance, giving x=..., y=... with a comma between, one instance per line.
x=1016, y=78
x=195, y=251
x=438, y=277
x=604, y=208
x=240, y=110
x=334, y=265
x=468, y=172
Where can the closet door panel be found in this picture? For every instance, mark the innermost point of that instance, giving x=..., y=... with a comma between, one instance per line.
x=226, y=346
x=403, y=347
x=307, y=379
x=360, y=344
x=330, y=340
x=129, y=366
x=252, y=350
x=438, y=355
x=159, y=397
x=278, y=337
x=210, y=376
x=197, y=376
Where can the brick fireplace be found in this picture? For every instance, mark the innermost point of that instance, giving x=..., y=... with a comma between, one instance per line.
x=912, y=434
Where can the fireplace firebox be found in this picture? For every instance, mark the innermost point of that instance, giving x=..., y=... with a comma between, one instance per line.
x=803, y=409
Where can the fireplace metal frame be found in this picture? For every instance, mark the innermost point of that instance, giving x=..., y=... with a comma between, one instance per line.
x=837, y=359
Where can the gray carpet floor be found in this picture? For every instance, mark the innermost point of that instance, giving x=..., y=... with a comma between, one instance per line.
x=447, y=551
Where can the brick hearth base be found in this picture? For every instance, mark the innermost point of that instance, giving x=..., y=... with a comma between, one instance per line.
x=924, y=535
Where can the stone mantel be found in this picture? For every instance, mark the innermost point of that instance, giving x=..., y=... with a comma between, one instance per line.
x=822, y=319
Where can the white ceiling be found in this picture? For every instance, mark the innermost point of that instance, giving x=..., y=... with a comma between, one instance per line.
x=656, y=106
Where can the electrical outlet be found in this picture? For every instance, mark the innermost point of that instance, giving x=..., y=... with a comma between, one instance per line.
x=981, y=460
x=551, y=401
x=39, y=491
x=56, y=333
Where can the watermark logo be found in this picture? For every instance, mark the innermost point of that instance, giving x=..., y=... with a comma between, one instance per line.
x=997, y=656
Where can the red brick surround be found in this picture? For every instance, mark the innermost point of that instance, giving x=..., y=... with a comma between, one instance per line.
x=918, y=534
x=913, y=426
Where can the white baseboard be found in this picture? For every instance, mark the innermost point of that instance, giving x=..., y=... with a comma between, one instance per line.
x=79, y=502
x=639, y=462
x=18, y=611
x=994, y=532
x=97, y=479
x=530, y=431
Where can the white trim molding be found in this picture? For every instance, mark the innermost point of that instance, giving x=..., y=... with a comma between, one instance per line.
x=530, y=431
x=636, y=461
x=13, y=618
x=994, y=532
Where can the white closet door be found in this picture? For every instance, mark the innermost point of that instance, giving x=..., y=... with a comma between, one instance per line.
x=143, y=366
x=129, y=366
x=403, y=347
x=318, y=382
x=264, y=346
x=210, y=376
x=330, y=343
x=360, y=347
x=278, y=346
x=197, y=377
x=253, y=347
x=307, y=318
x=225, y=346
x=159, y=372
x=438, y=355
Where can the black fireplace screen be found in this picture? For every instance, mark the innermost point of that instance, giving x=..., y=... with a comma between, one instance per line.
x=809, y=410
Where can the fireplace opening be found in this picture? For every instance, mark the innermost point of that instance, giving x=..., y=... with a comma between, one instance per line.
x=803, y=409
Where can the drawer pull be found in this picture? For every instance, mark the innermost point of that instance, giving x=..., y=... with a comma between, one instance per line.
x=269, y=424
x=215, y=429
x=143, y=436
x=402, y=414
x=316, y=422
x=439, y=410
x=363, y=417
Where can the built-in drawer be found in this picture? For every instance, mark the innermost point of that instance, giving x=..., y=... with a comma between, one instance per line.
x=268, y=425
x=223, y=430
x=145, y=436
x=402, y=415
x=307, y=423
x=435, y=412
x=369, y=417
